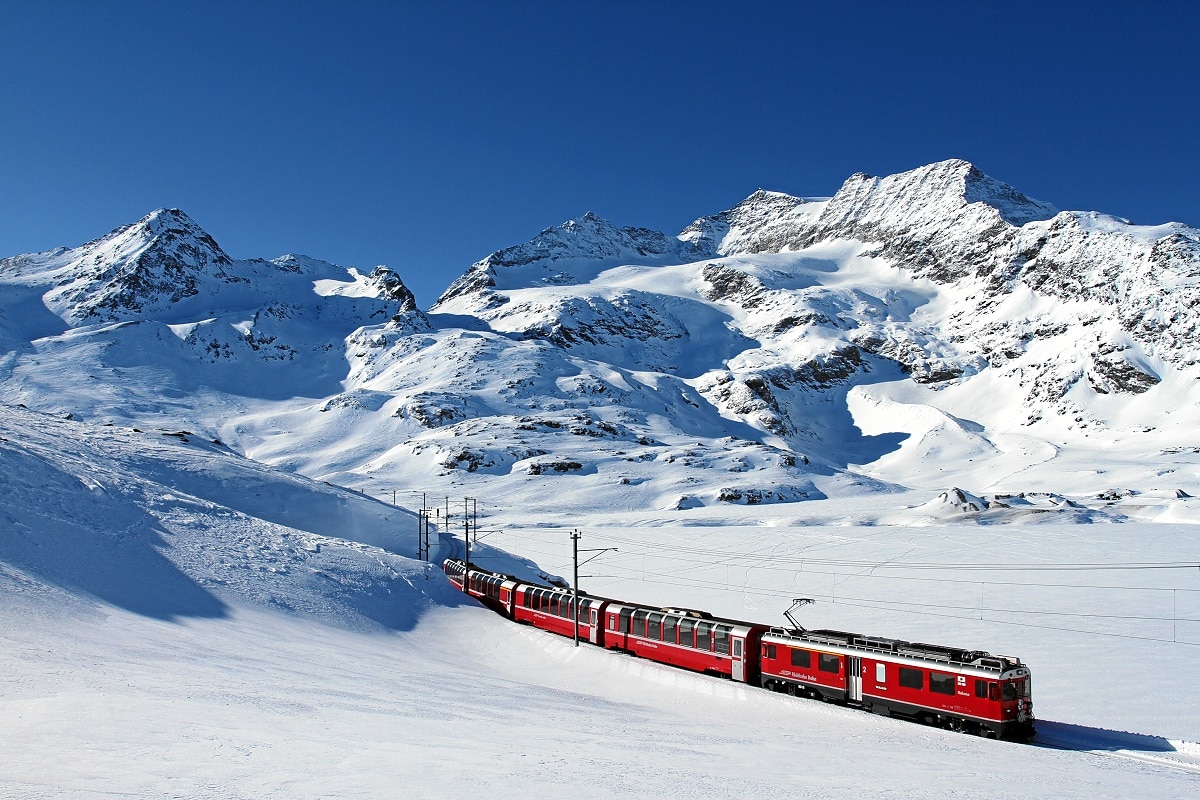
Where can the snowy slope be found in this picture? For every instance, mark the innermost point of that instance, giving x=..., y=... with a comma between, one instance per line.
x=179, y=621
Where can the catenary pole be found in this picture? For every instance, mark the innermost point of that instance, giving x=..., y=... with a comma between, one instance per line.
x=575, y=534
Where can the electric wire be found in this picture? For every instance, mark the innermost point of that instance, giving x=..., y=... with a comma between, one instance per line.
x=761, y=562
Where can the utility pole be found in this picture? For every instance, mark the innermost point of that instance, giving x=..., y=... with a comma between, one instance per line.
x=422, y=554
x=575, y=536
x=469, y=521
x=428, y=524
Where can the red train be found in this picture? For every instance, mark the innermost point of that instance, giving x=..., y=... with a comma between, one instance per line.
x=963, y=690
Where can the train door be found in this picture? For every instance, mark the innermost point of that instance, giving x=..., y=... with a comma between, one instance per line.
x=854, y=679
x=594, y=621
x=739, y=661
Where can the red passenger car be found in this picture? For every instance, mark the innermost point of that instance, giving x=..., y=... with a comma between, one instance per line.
x=554, y=610
x=692, y=640
x=494, y=590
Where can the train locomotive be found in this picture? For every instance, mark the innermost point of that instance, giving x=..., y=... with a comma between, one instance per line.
x=963, y=690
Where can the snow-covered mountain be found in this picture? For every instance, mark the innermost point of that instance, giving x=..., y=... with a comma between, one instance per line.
x=180, y=578
x=926, y=329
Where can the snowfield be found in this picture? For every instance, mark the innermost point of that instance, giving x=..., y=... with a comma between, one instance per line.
x=168, y=632
x=943, y=411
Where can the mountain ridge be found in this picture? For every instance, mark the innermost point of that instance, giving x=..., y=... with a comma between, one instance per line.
x=728, y=363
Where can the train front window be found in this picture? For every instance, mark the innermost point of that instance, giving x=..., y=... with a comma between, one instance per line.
x=1014, y=690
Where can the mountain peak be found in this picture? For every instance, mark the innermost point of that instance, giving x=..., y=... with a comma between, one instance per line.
x=159, y=258
x=942, y=187
x=764, y=221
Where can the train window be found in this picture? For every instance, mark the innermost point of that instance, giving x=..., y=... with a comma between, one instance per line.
x=981, y=688
x=626, y=613
x=912, y=678
x=829, y=663
x=1015, y=689
x=722, y=639
x=612, y=622
x=669, y=624
x=639, y=623
x=703, y=636
x=801, y=658
x=737, y=648
x=941, y=683
x=654, y=626
x=687, y=634
x=769, y=651
x=881, y=673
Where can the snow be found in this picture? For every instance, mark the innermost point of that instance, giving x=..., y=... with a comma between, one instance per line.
x=186, y=622
x=210, y=472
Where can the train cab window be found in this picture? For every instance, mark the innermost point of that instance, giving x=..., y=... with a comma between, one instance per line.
x=703, y=636
x=829, y=663
x=881, y=673
x=912, y=678
x=654, y=626
x=722, y=639
x=669, y=624
x=801, y=658
x=941, y=683
x=981, y=689
x=1015, y=689
x=687, y=633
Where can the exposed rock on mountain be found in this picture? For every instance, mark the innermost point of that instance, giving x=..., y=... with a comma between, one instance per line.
x=922, y=323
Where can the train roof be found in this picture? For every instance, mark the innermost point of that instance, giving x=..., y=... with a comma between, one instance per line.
x=899, y=647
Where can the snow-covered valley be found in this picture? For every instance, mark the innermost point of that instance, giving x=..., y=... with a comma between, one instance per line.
x=944, y=411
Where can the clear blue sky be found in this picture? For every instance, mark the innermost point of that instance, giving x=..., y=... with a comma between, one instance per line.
x=426, y=135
